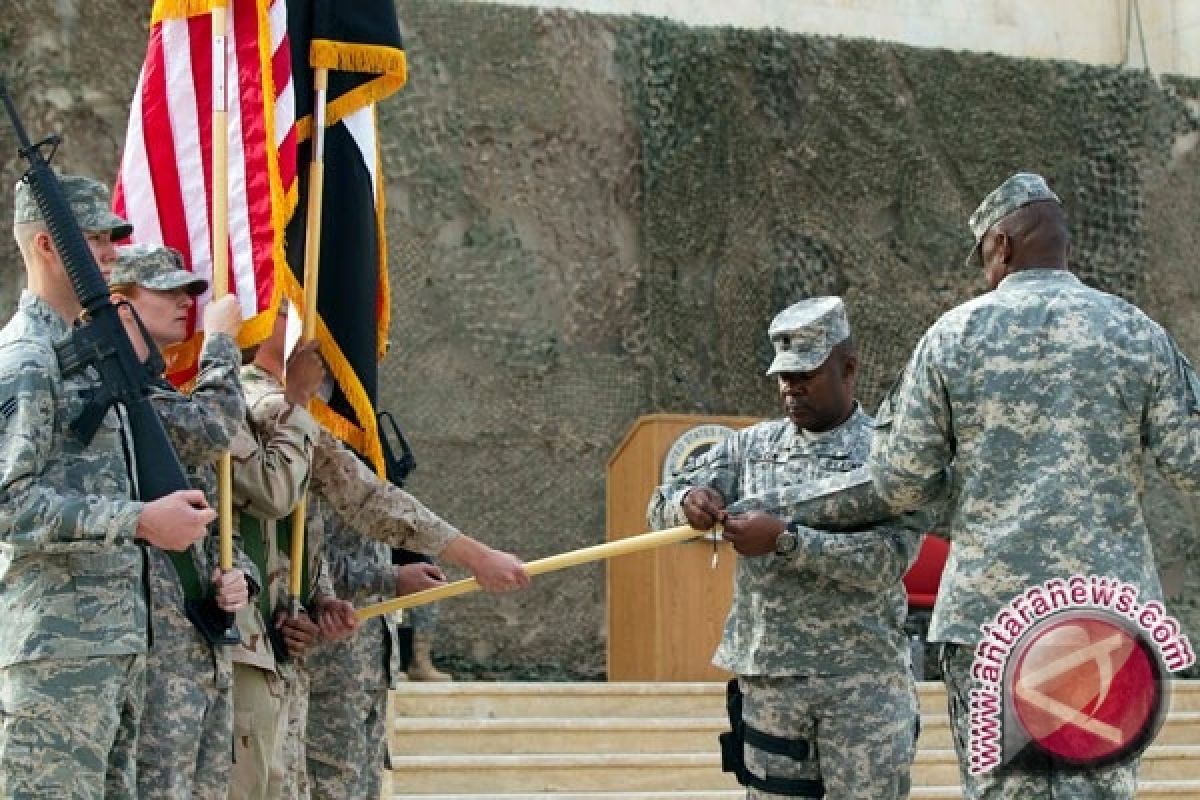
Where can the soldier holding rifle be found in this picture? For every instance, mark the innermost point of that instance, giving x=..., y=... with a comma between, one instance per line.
x=72, y=594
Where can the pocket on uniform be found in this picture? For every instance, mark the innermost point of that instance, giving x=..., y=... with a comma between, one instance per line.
x=107, y=587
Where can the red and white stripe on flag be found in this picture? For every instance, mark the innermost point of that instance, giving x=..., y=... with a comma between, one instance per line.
x=165, y=184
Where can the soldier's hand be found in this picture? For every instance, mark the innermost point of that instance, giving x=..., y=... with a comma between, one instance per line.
x=231, y=589
x=336, y=618
x=223, y=316
x=175, y=521
x=299, y=633
x=754, y=533
x=303, y=374
x=132, y=330
x=417, y=577
x=703, y=507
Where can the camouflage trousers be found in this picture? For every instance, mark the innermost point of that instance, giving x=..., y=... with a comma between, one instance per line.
x=1031, y=776
x=258, y=727
x=69, y=727
x=422, y=618
x=290, y=768
x=861, y=731
x=186, y=741
x=347, y=744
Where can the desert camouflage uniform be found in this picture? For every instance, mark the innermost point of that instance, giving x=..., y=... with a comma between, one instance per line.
x=353, y=498
x=1030, y=408
x=73, y=618
x=187, y=726
x=347, y=733
x=271, y=458
x=816, y=637
x=373, y=506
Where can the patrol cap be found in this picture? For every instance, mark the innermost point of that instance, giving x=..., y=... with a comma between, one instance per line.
x=1018, y=191
x=88, y=199
x=154, y=266
x=804, y=334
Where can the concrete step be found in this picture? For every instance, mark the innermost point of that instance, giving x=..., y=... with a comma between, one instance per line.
x=1180, y=727
x=490, y=775
x=433, y=735
x=1147, y=790
x=581, y=772
x=515, y=700
x=939, y=767
x=413, y=736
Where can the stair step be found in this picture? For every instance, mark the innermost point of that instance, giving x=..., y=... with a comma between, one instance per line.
x=416, y=735
x=1147, y=790
x=578, y=772
x=483, y=700
x=682, y=771
x=413, y=736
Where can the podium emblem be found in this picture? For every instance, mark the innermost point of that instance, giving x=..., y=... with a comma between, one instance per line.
x=690, y=445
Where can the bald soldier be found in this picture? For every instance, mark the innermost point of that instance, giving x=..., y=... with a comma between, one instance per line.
x=815, y=634
x=72, y=593
x=1031, y=408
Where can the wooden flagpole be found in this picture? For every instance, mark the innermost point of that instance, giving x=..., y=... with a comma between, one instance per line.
x=573, y=558
x=312, y=263
x=220, y=265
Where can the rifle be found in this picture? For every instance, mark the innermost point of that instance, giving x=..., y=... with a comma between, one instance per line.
x=98, y=340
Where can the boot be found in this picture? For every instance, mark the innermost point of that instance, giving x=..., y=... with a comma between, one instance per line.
x=422, y=668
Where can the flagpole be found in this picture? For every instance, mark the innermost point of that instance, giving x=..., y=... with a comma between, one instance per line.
x=573, y=558
x=312, y=263
x=220, y=267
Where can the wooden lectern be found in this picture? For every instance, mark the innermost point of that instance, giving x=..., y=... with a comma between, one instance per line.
x=666, y=607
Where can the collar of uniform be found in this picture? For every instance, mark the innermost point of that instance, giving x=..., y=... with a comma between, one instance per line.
x=832, y=437
x=43, y=312
x=253, y=372
x=1044, y=274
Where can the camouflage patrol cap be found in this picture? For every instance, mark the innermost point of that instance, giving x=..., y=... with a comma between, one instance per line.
x=804, y=334
x=87, y=197
x=154, y=266
x=1018, y=191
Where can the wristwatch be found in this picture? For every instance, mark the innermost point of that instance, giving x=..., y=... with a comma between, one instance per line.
x=786, y=542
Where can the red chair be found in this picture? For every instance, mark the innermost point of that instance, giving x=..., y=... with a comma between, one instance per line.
x=921, y=582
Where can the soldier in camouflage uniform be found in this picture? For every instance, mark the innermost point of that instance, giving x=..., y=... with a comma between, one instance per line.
x=347, y=733
x=271, y=455
x=72, y=596
x=1030, y=409
x=815, y=634
x=187, y=726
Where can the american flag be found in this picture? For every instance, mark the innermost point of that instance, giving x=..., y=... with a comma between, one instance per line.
x=165, y=183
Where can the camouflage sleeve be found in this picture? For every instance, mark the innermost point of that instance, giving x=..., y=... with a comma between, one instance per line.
x=362, y=578
x=316, y=544
x=33, y=514
x=362, y=571
x=202, y=425
x=271, y=457
x=1172, y=421
x=913, y=444
x=372, y=505
x=719, y=468
x=873, y=560
x=212, y=547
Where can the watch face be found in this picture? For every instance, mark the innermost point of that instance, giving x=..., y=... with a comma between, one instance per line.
x=785, y=543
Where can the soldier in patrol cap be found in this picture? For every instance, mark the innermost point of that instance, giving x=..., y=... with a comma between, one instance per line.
x=72, y=597
x=187, y=727
x=1031, y=409
x=815, y=634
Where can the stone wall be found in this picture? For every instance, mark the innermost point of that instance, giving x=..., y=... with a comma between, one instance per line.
x=594, y=217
